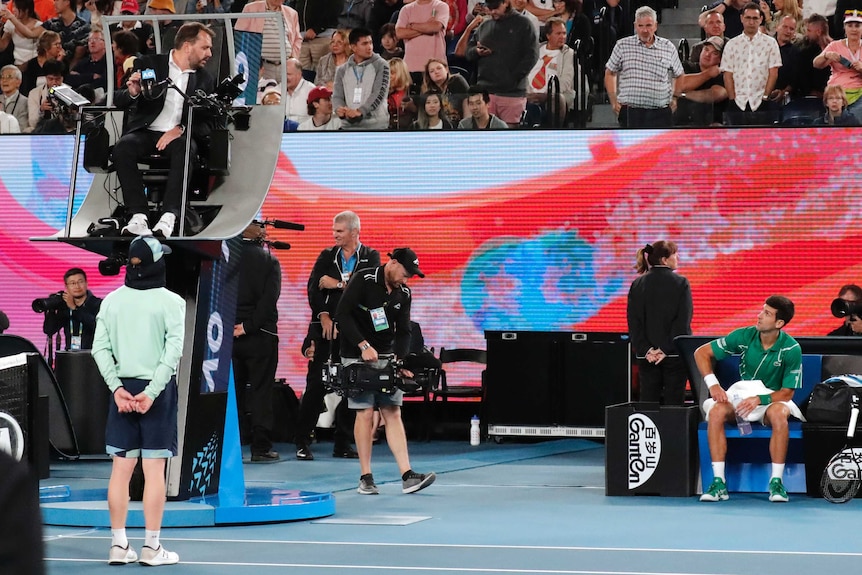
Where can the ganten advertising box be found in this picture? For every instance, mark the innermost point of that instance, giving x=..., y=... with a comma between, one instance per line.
x=651, y=450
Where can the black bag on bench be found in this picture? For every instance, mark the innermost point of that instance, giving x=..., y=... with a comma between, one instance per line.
x=829, y=401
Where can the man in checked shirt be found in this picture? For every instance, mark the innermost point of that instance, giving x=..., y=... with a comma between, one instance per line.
x=642, y=75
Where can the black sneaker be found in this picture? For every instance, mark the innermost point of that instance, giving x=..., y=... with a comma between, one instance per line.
x=414, y=482
x=303, y=453
x=345, y=452
x=265, y=457
x=367, y=486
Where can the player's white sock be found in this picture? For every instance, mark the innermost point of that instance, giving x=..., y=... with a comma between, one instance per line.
x=718, y=470
x=778, y=470
x=152, y=539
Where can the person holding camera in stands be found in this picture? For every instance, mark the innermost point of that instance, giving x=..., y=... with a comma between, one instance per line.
x=374, y=318
x=157, y=122
x=73, y=310
x=848, y=305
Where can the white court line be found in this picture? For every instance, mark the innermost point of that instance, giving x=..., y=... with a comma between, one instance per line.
x=410, y=568
x=520, y=547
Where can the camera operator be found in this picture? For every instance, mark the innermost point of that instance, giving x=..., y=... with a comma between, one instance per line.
x=849, y=306
x=374, y=317
x=41, y=106
x=73, y=310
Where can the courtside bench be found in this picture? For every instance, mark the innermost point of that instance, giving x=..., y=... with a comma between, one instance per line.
x=748, y=466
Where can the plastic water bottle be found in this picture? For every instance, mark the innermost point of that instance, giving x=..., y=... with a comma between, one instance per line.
x=742, y=424
x=475, y=433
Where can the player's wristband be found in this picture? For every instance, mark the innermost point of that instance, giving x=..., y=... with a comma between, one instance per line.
x=765, y=399
x=710, y=380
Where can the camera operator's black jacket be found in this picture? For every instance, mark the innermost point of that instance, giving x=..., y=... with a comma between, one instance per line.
x=74, y=322
x=142, y=112
x=367, y=291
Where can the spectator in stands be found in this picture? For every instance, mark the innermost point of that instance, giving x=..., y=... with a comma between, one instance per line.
x=713, y=24
x=578, y=26
x=480, y=117
x=390, y=45
x=359, y=14
x=339, y=52
x=24, y=44
x=202, y=7
x=402, y=109
x=431, y=113
x=840, y=9
x=361, y=86
x=12, y=101
x=451, y=87
x=73, y=31
x=41, y=107
x=836, y=114
x=124, y=46
x=270, y=52
x=810, y=80
x=785, y=84
x=783, y=8
x=296, y=96
x=641, y=82
x=421, y=26
x=556, y=59
x=93, y=69
x=750, y=64
x=770, y=370
x=732, y=12
x=659, y=309
x=505, y=48
x=852, y=324
x=167, y=28
x=520, y=7
x=543, y=9
x=702, y=97
x=381, y=12
x=9, y=124
x=318, y=21
x=320, y=110
x=48, y=47
x=846, y=67
x=143, y=31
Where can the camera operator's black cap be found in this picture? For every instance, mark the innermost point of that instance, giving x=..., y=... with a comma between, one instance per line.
x=407, y=258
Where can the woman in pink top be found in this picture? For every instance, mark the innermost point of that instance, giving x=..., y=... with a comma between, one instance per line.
x=845, y=59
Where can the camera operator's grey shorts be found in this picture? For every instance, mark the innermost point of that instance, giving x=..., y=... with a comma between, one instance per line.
x=371, y=399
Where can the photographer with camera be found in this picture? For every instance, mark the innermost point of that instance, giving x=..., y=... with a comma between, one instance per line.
x=374, y=318
x=848, y=305
x=73, y=310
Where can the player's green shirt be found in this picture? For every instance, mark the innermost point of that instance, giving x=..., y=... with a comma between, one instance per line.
x=777, y=367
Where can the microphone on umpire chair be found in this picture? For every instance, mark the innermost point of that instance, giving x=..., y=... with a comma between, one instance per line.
x=149, y=87
x=283, y=225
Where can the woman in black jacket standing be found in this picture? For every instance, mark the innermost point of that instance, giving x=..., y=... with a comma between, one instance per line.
x=659, y=309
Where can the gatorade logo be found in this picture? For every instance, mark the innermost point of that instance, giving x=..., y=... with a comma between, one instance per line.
x=11, y=436
x=644, y=449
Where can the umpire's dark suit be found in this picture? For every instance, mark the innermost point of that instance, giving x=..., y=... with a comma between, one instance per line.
x=137, y=141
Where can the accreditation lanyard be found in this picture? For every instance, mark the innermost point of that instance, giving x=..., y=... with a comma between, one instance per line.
x=75, y=337
x=347, y=265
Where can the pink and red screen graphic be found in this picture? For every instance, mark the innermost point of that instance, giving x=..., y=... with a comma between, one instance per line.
x=517, y=231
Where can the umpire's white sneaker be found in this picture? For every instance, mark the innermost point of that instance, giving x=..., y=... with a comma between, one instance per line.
x=137, y=226
x=165, y=227
x=160, y=556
